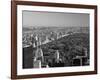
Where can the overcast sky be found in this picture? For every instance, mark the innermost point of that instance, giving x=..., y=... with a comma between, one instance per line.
x=31, y=18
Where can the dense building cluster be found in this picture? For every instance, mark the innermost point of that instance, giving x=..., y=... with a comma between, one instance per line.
x=30, y=38
x=36, y=56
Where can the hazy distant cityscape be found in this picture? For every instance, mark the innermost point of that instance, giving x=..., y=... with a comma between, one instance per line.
x=49, y=33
